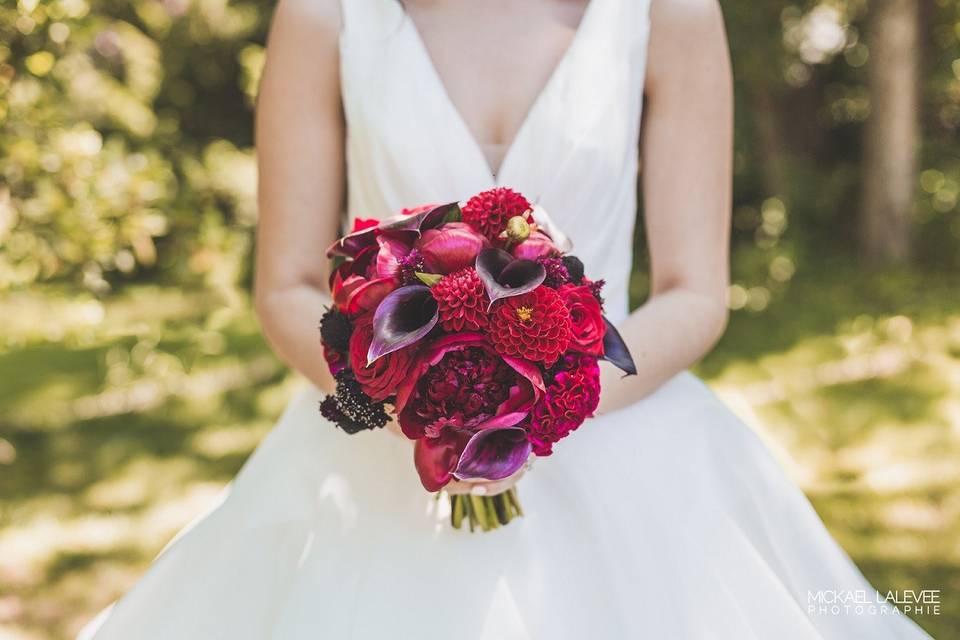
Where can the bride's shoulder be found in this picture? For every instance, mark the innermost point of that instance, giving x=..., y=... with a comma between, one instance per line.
x=686, y=17
x=317, y=14
x=684, y=34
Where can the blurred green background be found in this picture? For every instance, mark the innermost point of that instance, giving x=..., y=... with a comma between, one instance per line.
x=134, y=381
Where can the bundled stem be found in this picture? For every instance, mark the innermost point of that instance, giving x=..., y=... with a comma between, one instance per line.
x=484, y=512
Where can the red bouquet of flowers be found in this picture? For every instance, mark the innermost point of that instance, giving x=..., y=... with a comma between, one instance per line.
x=477, y=329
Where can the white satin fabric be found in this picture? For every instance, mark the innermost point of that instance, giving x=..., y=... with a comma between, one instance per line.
x=667, y=520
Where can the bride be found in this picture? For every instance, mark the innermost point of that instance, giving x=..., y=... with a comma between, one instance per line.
x=665, y=517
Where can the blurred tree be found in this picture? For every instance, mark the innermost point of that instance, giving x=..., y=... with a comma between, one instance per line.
x=891, y=136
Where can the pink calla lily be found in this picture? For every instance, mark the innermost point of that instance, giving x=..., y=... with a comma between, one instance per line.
x=537, y=245
x=453, y=247
x=436, y=458
x=391, y=250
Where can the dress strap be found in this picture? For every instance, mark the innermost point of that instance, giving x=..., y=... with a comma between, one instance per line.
x=371, y=18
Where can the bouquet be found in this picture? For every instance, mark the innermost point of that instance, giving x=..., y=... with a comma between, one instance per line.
x=477, y=329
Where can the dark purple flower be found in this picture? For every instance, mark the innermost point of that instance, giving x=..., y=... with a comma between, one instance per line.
x=409, y=265
x=557, y=273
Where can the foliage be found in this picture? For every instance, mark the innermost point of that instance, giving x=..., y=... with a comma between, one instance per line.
x=125, y=140
x=133, y=381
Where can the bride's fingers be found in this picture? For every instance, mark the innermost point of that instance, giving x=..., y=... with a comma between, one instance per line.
x=483, y=487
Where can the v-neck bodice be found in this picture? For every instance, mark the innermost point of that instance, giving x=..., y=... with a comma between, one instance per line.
x=497, y=172
x=575, y=152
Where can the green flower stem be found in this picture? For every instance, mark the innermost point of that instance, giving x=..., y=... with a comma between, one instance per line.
x=484, y=512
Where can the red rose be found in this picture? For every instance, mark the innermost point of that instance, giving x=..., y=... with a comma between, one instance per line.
x=380, y=379
x=586, y=319
x=359, y=224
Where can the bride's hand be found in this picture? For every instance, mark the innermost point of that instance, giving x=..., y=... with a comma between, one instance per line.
x=478, y=487
x=484, y=487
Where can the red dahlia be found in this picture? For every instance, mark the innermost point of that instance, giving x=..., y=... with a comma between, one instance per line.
x=462, y=301
x=534, y=325
x=488, y=212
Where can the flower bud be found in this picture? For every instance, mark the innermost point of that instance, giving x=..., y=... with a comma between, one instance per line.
x=518, y=229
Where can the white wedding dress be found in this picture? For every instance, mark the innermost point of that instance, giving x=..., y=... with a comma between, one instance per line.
x=666, y=520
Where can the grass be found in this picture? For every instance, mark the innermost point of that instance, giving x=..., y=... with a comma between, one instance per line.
x=119, y=421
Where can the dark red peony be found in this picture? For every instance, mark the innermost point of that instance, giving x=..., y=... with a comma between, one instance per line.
x=459, y=380
x=488, y=212
x=458, y=388
x=570, y=399
x=462, y=301
x=534, y=325
x=380, y=379
x=586, y=319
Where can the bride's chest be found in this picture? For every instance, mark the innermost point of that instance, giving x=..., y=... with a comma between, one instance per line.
x=494, y=61
x=427, y=121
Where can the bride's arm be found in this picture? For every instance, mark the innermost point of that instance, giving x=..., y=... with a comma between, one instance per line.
x=299, y=138
x=686, y=152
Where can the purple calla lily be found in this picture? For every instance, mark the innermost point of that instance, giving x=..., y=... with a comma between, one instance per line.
x=615, y=350
x=493, y=454
x=504, y=276
x=418, y=222
x=403, y=317
x=353, y=243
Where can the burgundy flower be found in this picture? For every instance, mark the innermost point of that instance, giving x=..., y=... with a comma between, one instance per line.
x=356, y=294
x=596, y=288
x=534, y=326
x=462, y=301
x=436, y=458
x=381, y=378
x=350, y=408
x=586, y=319
x=537, y=245
x=570, y=399
x=488, y=212
x=556, y=271
x=409, y=265
x=460, y=385
x=451, y=247
x=390, y=257
x=363, y=234
x=336, y=360
x=355, y=284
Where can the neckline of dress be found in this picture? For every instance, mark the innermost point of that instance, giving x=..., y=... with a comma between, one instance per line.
x=496, y=176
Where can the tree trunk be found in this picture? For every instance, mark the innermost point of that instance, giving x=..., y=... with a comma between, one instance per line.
x=890, y=147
